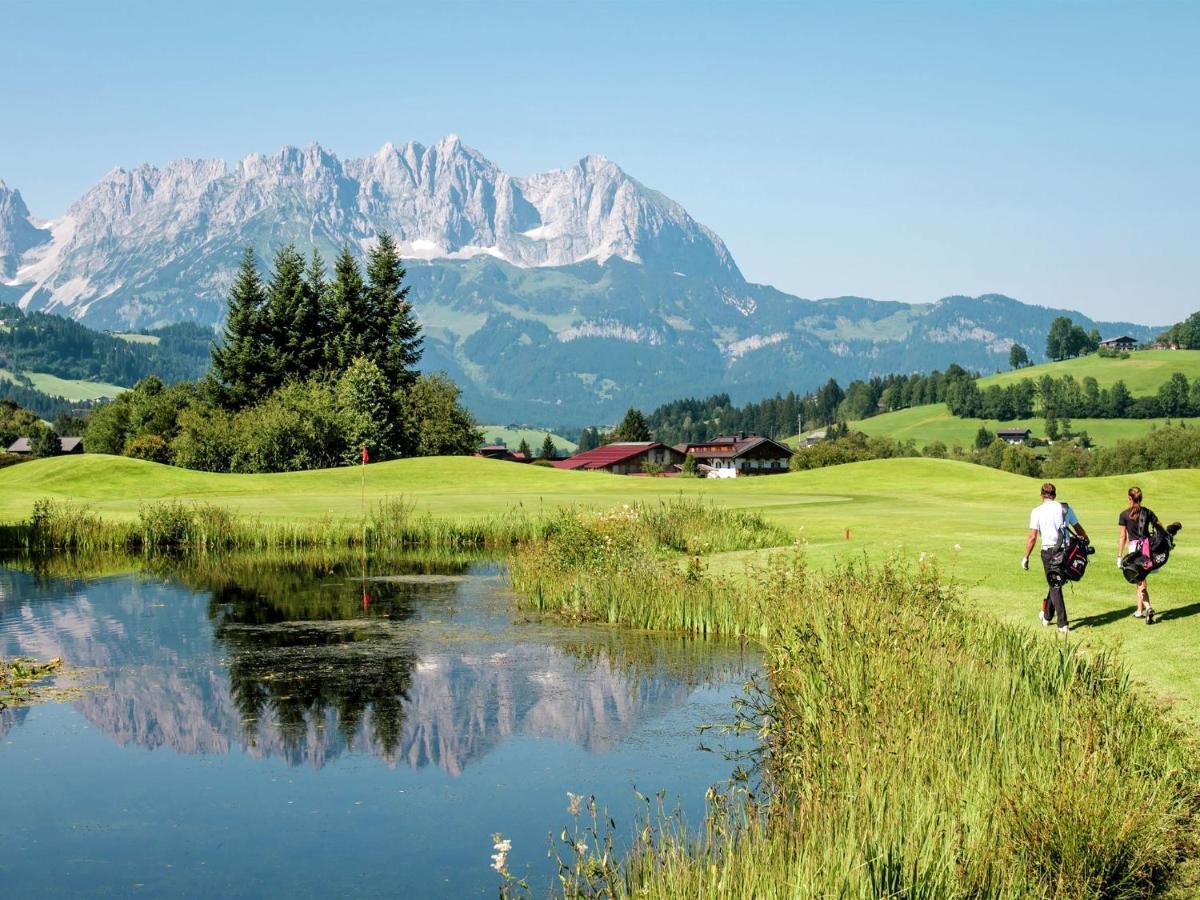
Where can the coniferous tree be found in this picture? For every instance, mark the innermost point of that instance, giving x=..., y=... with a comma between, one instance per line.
x=549, y=451
x=524, y=448
x=241, y=361
x=310, y=326
x=346, y=311
x=633, y=427
x=391, y=325
x=285, y=313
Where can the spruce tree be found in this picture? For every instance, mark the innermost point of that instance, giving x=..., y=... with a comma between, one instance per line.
x=391, y=325
x=549, y=451
x=633, y=427
x=524, y=448
x=241, y=360
x=346, y=307
x=285, y=314
x=310, y=328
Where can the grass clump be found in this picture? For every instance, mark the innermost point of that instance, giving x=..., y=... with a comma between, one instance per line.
x=625, y=567
x=176, y=526
x=912, y=749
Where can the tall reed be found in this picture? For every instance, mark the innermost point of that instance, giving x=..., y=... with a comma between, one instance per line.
x=910, y=748
x=625, y=567
x=202, y=527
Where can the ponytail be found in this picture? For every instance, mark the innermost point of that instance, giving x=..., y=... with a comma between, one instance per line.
x=1135, y=502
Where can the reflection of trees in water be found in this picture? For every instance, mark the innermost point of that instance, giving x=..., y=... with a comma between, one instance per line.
x=308, y=644
x=279, y=656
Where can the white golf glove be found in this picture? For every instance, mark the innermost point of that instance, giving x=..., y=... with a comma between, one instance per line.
x=1025, y=563
x=1119, y=562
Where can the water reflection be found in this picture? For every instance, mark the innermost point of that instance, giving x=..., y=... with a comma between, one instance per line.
x=422, y=663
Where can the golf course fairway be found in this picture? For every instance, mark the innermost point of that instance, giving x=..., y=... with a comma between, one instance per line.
x=971, y=519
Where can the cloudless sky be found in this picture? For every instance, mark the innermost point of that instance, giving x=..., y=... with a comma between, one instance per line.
x=900, y=151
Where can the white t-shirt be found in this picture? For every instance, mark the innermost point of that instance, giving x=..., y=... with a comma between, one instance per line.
x=1048, y=520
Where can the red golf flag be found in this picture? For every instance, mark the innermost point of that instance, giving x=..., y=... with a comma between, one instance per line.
x=366, y=458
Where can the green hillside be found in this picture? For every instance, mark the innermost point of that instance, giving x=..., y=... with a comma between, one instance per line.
x=971, y=519
x=511, y=437
x=72, y=388
x=933, y=422
x=1142, y=373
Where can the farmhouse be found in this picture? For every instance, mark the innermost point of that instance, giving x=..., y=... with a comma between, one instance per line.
x=500, y=451
x=1124, y=343
x=67, y=445
x=624, y=458
x=738, y=454
x=1013, y=435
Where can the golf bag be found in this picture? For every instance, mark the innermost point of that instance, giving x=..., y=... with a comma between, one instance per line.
x=1070, y=559
x=1151, y=552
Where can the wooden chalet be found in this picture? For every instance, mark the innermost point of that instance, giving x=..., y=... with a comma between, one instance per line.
x=624, y=458
x=739, y=454
x=1123, y=343
x=500, y=451
x=1013, y=435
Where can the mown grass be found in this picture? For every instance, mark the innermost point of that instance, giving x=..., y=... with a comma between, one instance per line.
x=912, y=748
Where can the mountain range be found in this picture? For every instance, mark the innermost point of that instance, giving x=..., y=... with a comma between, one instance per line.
x=563, y=297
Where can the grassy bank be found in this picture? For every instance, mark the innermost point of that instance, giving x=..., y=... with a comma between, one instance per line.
x=56, y=526
x=913, y=748
x=910, y=747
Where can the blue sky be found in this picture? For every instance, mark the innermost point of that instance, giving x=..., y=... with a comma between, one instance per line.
x=899, y=151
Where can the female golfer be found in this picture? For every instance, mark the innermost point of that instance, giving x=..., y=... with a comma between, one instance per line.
x=1134, y=525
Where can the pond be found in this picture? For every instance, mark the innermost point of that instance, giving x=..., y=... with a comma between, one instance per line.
x=287, y=727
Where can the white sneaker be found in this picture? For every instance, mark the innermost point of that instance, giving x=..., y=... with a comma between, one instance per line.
x=1063, y=629
x=1137, y=614
x=1042, y=618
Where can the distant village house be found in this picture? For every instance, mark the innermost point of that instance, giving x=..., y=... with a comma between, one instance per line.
x=67, y=444
x=500, y=451
x=1013, y=435
x=1124, y=343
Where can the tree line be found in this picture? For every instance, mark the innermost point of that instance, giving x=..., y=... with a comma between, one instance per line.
x=1169, y=447
x=1067, y=398
x=43, y=342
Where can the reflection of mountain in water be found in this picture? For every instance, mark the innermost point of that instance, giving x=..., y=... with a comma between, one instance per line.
x=286, y=662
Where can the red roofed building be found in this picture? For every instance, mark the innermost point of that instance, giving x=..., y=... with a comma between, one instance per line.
x=624, y=458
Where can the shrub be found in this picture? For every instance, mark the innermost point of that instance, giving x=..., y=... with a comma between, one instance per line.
x=149, y=447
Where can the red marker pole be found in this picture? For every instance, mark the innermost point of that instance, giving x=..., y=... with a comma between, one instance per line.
x=362, y=506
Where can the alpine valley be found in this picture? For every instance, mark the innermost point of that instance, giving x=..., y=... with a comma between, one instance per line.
x=558, y=298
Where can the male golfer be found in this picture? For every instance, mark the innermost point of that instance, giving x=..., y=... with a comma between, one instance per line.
x=1048, y=520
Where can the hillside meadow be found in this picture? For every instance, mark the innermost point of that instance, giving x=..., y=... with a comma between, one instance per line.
x=933, y=422
x=1142, y=372
x=971, y=519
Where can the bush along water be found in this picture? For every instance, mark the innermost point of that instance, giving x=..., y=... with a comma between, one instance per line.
x=910, y=748
x=175, y=526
